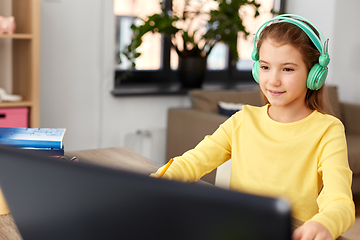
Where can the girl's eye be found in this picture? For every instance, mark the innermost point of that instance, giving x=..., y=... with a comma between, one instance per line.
x=264, y=67
x=288, y=69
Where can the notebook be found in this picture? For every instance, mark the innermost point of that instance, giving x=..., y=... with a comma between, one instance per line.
x=55, y=199
x=33, y=137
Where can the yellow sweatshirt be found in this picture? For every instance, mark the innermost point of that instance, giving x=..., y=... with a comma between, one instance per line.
x=304, y=161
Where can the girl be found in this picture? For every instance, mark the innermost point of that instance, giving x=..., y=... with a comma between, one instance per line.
x=290, y=147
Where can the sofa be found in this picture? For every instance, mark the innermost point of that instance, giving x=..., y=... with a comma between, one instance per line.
x=187, y=127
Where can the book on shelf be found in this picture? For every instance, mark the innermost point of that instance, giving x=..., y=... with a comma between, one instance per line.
x=33, y=138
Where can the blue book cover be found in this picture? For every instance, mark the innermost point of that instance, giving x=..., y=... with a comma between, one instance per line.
x=32, y=137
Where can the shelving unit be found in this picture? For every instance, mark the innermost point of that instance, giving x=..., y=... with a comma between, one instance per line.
x=25, y=55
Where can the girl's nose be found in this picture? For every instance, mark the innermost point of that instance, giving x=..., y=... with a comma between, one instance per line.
x=274, y=79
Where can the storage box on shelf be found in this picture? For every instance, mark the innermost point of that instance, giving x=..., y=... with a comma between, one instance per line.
x=14, y=117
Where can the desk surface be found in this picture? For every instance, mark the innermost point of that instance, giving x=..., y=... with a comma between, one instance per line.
x=116, y=157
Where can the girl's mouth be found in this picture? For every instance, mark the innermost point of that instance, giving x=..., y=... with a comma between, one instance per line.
x=275, y=93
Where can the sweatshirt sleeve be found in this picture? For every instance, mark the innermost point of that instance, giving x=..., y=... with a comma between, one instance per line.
x=336, y=207
x=210, y=153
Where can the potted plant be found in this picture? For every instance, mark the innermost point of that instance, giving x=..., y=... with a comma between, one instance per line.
x=193, y=29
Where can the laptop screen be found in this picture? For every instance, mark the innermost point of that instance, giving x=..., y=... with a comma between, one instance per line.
x=54, y=199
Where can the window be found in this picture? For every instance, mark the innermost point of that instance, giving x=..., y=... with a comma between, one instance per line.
x=155, y=68
x=125, y=11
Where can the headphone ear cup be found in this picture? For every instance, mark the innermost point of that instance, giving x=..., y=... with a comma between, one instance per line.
x=316, y=77
x=255, y=71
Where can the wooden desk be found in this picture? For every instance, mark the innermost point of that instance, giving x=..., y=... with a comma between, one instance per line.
x=116, y=157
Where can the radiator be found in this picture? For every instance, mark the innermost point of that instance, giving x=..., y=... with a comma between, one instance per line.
x=150, y=143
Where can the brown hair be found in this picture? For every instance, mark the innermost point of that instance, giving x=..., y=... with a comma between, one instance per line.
x=288, y=33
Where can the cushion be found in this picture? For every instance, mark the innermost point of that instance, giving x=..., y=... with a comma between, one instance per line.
x=228, y=109
x=207, y=101
x=334, y=103
x=353, y=142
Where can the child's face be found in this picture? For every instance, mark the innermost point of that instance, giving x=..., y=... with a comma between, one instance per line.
x=282, y=74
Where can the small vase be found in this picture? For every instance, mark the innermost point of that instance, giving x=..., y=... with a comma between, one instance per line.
x=191, y=71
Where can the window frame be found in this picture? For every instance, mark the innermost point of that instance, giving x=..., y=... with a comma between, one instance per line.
x=165, y=81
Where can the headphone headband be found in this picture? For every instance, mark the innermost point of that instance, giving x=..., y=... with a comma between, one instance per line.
x=291, y=18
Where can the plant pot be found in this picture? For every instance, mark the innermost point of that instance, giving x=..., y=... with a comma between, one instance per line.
x=191, y=71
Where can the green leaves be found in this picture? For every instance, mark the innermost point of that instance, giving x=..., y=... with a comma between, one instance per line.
x=223, y=25
x=230, y=22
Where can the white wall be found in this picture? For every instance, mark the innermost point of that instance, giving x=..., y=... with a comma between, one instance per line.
x=347, y=51
x=338, y=20
x=77, y=53
x=71, y=69
x=77, y=43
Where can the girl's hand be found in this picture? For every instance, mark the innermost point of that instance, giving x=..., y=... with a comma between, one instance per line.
x=312, y=231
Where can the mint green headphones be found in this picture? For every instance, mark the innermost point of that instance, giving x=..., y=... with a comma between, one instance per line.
x=319, y=71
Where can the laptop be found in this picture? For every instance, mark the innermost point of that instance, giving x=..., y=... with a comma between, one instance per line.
x=54, y=199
